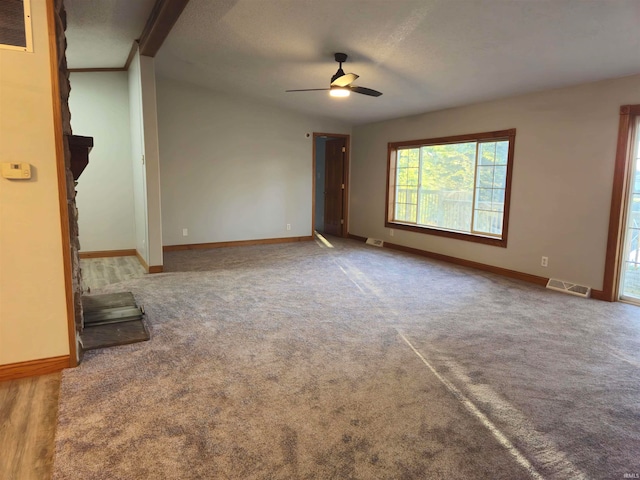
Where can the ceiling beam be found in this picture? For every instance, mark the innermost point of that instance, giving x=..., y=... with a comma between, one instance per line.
x=163, y=17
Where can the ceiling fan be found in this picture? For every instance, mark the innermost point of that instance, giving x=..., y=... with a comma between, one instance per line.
x=342, y=83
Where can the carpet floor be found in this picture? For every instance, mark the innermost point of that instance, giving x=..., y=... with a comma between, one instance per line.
x=300, y=361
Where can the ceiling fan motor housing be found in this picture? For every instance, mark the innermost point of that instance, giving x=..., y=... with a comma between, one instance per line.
x=340, y=57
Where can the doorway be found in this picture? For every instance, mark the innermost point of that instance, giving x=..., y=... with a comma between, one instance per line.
x=330, y=183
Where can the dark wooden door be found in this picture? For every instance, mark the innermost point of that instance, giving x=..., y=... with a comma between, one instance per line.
x=334, y=186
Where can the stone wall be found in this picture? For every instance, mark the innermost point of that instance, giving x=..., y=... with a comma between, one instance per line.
x=65, y=88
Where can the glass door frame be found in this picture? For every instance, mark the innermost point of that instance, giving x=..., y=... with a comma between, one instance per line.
x=632, y=188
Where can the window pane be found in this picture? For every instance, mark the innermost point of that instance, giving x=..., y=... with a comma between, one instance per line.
x=403, y=158
x=484, y=196
x=500, y=177
x=498, y=200
x=487, y=153
x=414, y=157
x=485, y=176
x=488, y=222
x=502, y=152
x=447, y=185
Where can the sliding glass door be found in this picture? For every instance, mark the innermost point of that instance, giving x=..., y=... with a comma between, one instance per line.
x=630, y=263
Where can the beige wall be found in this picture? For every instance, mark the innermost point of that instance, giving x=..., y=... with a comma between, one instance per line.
x=233, y=169
x=33, y=312
x=562, y=177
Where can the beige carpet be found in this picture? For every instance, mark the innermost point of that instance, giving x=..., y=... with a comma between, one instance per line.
x=299, y=361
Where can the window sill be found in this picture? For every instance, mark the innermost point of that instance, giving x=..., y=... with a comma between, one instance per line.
x=467, y=237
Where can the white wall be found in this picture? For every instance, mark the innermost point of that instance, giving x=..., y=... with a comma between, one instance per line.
x=99, y=104
x=152, y=160
x=232, y=169
x=562, y=177
x=145, y=158
x=137, y=155
x=33, y=309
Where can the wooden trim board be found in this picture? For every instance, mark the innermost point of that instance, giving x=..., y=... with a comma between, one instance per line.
x=108, y=253
x=149, y=269
x=163, y=17
x=619, y=191
x=32, y=368
x=142, y=261
x=61, y=171
x=237, y=243
x=505, y=272
x=99, y=70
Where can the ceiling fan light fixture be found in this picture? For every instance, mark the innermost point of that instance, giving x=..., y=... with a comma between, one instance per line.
x=339, y=92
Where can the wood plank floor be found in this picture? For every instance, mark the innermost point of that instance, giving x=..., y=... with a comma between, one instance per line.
x=29, y=406
x=28, y=417
x=99, y=272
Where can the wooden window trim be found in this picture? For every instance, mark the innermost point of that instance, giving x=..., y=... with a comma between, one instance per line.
x=611, y=280
x=392, y=148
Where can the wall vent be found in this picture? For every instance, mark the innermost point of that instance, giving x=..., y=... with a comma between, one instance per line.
x=376, y=242
x=15, y=25
x=570, y=288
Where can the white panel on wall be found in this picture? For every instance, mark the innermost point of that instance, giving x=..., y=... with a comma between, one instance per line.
x=231, y=169
x=151, y=160
x=562, y=177
x=137, y=158
x=99, y=104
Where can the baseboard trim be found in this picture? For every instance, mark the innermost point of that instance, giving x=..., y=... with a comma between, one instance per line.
x=108, y=253
x=237, y=243
x=149, y=269
x=32, y=368
x=599, y=295
x=505, y=272
x=356, y=237
x=142, y=261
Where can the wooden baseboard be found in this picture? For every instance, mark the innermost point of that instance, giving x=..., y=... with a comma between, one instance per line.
x=142, y=261
x=149, y=269
x=357, y=237
x=505, y=272
x=599, y=295
x=237, y=243
x=108, y=253
x=32, y=368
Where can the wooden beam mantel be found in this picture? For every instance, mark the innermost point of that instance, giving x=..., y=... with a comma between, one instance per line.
x=163, y=17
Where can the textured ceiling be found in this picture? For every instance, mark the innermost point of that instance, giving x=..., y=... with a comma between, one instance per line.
x=422, y=54
x=100, y=32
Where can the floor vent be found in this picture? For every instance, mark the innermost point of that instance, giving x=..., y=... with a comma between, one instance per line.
x=376, y=242
x=570, y=288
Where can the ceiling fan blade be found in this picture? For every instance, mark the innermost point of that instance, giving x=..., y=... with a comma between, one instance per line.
x=365, y=91
x=344, y=80
x=308, y=90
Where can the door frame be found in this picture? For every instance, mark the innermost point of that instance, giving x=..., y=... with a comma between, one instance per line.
x=345, y=191
x=617, y=217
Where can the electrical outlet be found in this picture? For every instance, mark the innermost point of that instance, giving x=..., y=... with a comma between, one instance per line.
x=545, y=261
x=391, y=232
x=185, y=232
x=288, y=226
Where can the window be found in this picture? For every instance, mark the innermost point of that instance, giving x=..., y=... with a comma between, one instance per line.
x=455, y=186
